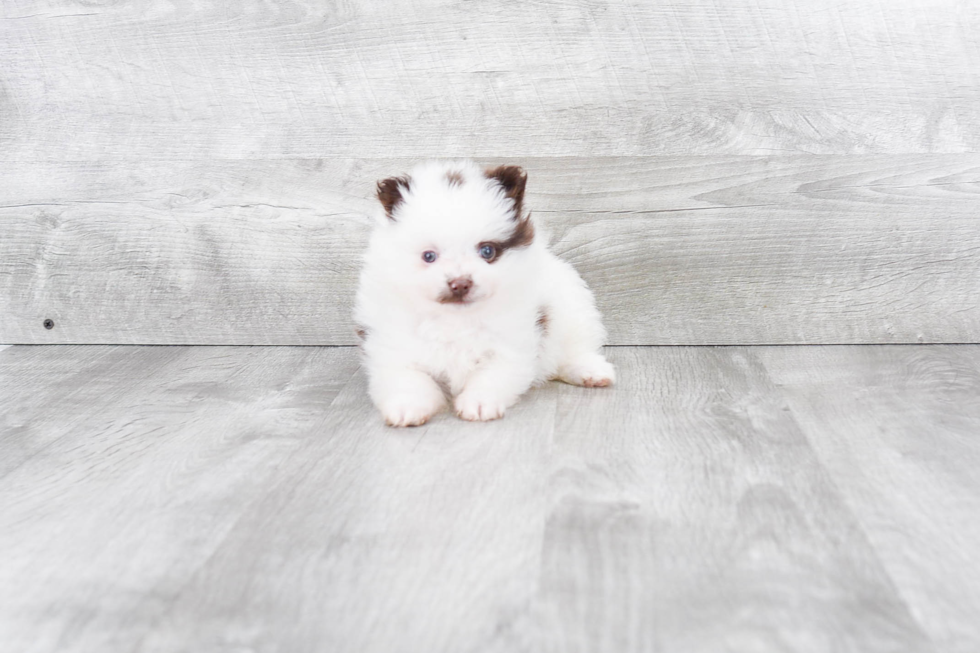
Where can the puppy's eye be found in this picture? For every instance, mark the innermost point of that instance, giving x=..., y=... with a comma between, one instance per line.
x=429, y=256
x=488, y=252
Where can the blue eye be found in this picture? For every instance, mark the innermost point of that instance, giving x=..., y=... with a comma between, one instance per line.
x=488, y=252
x=429, y=256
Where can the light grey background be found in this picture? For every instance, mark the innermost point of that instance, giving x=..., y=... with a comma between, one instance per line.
x=720, y=172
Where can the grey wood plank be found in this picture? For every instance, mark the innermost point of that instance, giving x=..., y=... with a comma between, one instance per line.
x=590, y=77
x=381, y=539
x=102, y=531
x=47, y=394
x=762, y=499
x=898, y=428
x=691, y=514
x=680, y=250
x=237, y=253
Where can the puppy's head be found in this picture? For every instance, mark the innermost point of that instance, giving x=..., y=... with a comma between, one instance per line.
x=453, y=233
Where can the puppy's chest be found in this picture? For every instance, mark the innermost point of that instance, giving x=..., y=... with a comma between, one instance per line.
x=453, y=347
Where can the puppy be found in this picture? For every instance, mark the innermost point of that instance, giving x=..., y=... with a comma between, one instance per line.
x=460, y=299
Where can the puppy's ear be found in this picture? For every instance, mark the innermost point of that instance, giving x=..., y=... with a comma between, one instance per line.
x=390, y=193
x=513, y=179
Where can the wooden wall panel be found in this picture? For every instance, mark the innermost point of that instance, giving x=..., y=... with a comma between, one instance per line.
x=721, y=172
x=190, y=80
x=680, y=250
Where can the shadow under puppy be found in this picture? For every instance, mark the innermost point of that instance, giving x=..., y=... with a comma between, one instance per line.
x=460, y=299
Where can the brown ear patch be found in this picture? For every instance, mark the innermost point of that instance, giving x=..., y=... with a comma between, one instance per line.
x=390, y=193
x=513, y=179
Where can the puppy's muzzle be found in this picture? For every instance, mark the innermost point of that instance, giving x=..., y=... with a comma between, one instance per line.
x=458, y=289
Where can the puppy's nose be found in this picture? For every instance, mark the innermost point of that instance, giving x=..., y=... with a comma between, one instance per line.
x=460, y=286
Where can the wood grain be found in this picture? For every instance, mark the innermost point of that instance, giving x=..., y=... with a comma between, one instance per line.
x=224, y=253
x=691, y=514
x=49, y=388
x=898, y=430
x=242, y=498
x=137, y=495
x=679, y=250
x=182, y=80
x=397, y=540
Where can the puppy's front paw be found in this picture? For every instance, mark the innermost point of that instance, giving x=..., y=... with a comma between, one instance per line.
x=591, y=371
x=479, y=407
x=406, y=416
x=410, y=410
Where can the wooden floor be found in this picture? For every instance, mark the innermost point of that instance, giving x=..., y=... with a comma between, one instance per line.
x=165, y=499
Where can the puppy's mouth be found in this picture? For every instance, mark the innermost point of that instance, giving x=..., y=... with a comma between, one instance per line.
x=449, y=298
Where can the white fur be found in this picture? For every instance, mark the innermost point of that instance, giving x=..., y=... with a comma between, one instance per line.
x=484, y=354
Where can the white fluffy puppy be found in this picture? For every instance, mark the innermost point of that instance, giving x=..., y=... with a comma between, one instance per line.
x=459, y=299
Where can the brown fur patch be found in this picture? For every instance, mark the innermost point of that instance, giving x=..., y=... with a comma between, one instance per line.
x=390, y=193
x=362, y=334
x=454, y=179
x=542, y=321
x=522, y=236
x=513, y=179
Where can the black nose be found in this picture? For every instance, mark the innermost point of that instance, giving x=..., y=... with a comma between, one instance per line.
x=460, y=286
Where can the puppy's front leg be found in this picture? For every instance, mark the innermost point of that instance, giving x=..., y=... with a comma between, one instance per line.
x=493, y=388
x=405, y=396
